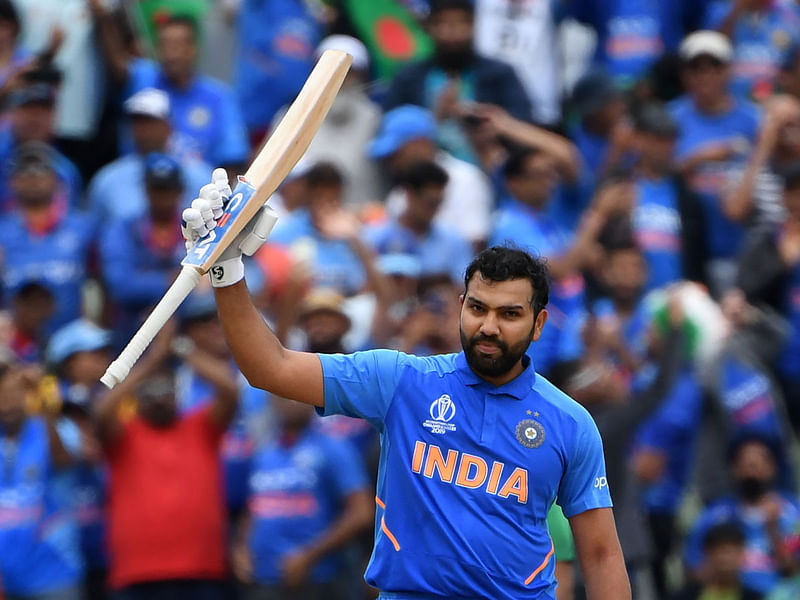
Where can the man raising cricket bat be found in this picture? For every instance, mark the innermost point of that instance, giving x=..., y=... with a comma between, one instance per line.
x=475, y=446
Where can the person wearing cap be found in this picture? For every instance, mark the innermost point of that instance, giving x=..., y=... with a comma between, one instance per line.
x=43, y=238
x=118, y=189
x=167, y=536
x=631, y=36
x=408, y=135
x=439, y=248
x=456, y=76
x=39, y=539
x=205, y=371
x=349, y=127
x=763, y=34
x=203, y=111
x=666, y=218
x=718, y=131
x=79, y=354
x=31, y=118
x=140, y=256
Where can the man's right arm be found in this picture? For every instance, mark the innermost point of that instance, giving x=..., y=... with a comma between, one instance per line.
x=259, y=354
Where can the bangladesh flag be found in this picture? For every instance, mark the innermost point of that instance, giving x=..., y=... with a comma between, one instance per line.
x=390, y=32
x=148, y=14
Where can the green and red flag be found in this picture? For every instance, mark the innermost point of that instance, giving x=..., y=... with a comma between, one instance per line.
x=147, y=15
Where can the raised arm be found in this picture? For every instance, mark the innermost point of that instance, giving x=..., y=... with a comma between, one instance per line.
x=110, y=41
x=259, y=354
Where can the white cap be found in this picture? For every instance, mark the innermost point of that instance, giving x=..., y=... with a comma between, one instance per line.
x=349, y=44
x=148, y=102
x=711, y=43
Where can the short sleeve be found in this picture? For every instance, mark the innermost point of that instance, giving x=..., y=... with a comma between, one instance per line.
x=362, y=384
x=584, y=485
x=346, y=469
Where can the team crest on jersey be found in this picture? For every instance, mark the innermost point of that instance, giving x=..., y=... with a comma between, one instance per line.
x=199, y=116
x=530, y=433
x=442, y=411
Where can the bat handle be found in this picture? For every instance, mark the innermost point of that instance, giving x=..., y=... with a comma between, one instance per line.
x=118, y=370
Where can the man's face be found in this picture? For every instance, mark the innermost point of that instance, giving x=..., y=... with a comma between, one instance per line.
x=324, y=199
x=149, y=134
x=34, y=189
x=536, y=184
x=207, y=334
x=292, y=415
x=416, y=150
x=13, y=391
x=156, y=400
x=625, y=274
x=452, y=33
x=725, y=562
x=656, y=151
x=324, y=331
x=33, y=122
x=424, y=204
x=87, y=367
x=32, y=313
x=706, y=79
x=163, y=203
x=754, y=469
x=497, y=324
x=177, y=50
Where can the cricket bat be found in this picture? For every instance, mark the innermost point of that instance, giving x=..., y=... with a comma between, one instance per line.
x=277, y=157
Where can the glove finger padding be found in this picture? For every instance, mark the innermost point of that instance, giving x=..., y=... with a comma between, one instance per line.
x=257, y=230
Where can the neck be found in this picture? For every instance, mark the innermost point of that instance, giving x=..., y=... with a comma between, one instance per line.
x=414, y=225
x=650, y=171
x=624, y=308
x=180, y=81
x=715, y=106
x=37, y=217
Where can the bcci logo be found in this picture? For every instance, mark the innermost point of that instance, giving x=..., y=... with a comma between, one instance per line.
x=442, y=411
x=530, y=433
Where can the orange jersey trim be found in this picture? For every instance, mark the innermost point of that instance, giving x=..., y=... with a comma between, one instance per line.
x=384, y=528
x=538, y=570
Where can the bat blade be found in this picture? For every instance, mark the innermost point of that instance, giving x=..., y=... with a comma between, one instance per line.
x=287, y=143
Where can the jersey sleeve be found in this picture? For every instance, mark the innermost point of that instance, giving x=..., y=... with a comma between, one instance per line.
x=362, y=384
x=584, y=485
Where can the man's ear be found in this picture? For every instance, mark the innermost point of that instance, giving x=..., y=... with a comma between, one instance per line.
x=461, y=299
x=541, y=319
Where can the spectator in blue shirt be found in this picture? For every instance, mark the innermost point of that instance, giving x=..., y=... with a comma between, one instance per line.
x=43, y=240
x=767, y=517
x=414, y=232
x=117, y=191
x=324, y=236
x=666, y=216
x=632, y=35
x=39, y=542
x=308, y=499
x=31, y=120
x=275, y=42
x=456, y=76
x=140, y=256
x=79, y=355
x=204, y=114
x=718, y=132
x=762, y=32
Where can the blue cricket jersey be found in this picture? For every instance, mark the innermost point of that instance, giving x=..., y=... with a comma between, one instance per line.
x=39, y=539
x=296, y=491
x=737, y=128
x=467, y=474
x=789, y=364
x=657, y=226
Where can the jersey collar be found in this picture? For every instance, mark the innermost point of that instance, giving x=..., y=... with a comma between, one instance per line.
x=518, y=388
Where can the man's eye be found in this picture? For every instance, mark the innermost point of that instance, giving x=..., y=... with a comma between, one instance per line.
x=478, y=309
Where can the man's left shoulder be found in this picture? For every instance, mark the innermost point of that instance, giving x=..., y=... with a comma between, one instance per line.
x=562, y=403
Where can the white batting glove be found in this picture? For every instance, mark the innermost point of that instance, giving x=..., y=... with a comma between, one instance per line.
x=201, y=217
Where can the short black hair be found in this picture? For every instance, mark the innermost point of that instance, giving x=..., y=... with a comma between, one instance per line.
x=727, y=532
x=9, y=13
x=502, y=263
x=324, y=174
x=515, y=165
x=181, y=20
x=424, y=173
x=31, y=291
x=740, y=441
x=618, y=234
x=437, y=6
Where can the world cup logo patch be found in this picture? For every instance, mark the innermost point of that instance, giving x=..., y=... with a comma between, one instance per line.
x=530, y=433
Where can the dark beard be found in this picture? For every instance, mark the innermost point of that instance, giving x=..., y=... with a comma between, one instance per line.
x=486, y=366
x=454, y=59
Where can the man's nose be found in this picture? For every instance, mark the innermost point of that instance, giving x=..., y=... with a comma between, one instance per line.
x=490, y=326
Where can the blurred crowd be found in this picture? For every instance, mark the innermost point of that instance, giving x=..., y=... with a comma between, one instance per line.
x=649, y=150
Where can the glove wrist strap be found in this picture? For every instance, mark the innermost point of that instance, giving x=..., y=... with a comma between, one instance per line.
x=227, y=272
